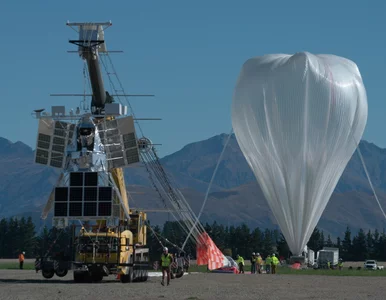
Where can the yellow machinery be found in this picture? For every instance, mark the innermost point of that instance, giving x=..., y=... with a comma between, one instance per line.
x=91, y=148
x=101, y=251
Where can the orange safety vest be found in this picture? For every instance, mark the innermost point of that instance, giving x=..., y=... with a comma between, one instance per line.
x=21, y=257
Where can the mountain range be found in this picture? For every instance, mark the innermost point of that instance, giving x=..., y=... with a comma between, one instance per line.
x=235, y=196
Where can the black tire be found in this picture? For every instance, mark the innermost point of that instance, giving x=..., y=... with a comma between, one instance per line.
x=124, y=278
x=61, y=272
x=78, y=277
x=142, y=275
x=146, y=276
x=135, y=275
x=48, y=273
x=128, y=277
x=180, y=273
x=81, y=277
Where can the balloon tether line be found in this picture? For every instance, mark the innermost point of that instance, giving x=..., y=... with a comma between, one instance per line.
x=368, y=177
x=209, y=186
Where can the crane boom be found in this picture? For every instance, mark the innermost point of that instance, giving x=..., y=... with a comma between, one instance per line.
x=91, y=43
x=98, y=89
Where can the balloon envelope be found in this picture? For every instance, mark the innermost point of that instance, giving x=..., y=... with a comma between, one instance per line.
x=298, y=120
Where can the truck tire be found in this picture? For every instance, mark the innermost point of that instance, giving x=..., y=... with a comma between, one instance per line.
x=128, y=277
x=81, y=277
x=48, y=273
x=180, y=273
x=61, y=272
x=146, y=276
x=142, y=275
x=136, y=275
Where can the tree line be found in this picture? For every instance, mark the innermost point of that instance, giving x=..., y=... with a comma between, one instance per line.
x=19, y=234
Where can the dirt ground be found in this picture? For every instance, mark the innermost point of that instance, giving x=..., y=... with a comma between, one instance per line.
x=26, y=284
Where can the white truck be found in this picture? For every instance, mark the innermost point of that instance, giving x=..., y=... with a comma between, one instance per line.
x=328, y=254
x=372, y=265
x=306, y=259
x=310, y=254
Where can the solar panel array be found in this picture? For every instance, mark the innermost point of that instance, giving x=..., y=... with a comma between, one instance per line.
x=83, y=197
x=120, y=143
x=53, y=138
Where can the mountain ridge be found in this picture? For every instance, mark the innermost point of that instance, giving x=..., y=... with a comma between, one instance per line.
x=235, y=196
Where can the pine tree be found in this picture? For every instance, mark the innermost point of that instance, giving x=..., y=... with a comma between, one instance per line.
x=12, y=238
x=339, y=245
x=376, y=241
x=359, y=246
x=3, y=238
x=29, y=241
x=154, y=243
x=267, y=243
x=232, y=240
x=369, y=245
x=321, y=242
x=346, y=245
x=256, y=240
x=329, y=242
x=282, y=247
x=245, y=241
x=314, y=240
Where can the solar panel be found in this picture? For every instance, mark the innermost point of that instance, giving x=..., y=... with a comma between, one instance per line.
x=76, y=194
x=91, y=179
x=90, y=209
x=76, y=179
x=84, y=198
x=60, y=209
x=118, y=136
x=51, y=142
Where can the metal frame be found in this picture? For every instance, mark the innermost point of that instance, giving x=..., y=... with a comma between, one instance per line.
x=92, y=43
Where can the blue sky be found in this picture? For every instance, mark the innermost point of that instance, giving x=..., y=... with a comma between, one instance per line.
x=188, y=53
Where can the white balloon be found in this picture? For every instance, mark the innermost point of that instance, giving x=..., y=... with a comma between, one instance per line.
x=298, y=120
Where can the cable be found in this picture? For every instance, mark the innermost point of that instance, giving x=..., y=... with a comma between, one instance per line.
x=368, y=177
x=157, y=175
x=209, y=186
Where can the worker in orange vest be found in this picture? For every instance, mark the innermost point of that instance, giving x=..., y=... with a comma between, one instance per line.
x=21, y=260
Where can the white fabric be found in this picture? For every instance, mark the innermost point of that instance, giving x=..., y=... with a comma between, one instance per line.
x=297, y=119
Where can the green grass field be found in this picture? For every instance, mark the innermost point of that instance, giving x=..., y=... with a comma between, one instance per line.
x=280, y=270
x=343, y=272
x=15, y=265
x=286, y=270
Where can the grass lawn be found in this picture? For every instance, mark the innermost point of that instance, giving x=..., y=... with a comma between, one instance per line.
x=343, y=272
x=287, y=270
x=280, y=270
x=15, y=265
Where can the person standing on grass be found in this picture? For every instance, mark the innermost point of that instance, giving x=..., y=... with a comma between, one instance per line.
x=268, y=261
x=340, y=264
x=259, y=263
x=240, y=262
x=253, y=263
x=166, y=261
x=21, y=260
x=274, y=263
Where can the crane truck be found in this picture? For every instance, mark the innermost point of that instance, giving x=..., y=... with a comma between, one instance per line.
x=92, y=147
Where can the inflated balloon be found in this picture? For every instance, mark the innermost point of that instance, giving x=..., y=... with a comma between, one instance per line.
x=298, y=120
